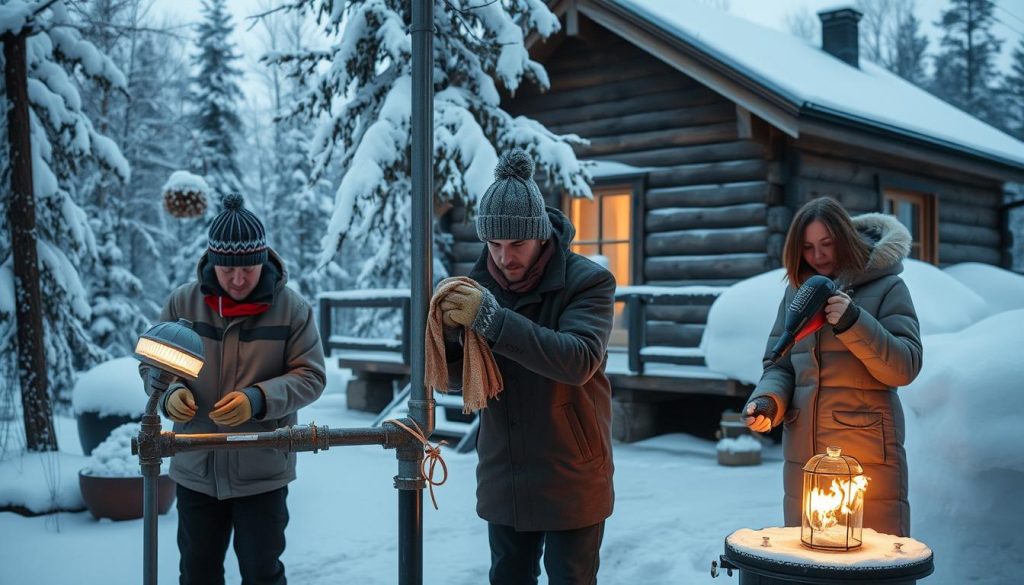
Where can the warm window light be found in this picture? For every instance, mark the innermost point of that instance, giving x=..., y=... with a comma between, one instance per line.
x=172, y=347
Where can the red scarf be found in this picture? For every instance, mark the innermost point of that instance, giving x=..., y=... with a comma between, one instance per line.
x=533, y=274
x=228, y=307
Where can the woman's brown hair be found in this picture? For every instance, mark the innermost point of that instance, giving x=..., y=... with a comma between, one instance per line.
x=851, y=252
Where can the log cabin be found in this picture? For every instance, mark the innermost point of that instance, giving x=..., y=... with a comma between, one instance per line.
x=706, y=132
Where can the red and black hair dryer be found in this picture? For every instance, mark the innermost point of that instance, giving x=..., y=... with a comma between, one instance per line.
x=805, y=315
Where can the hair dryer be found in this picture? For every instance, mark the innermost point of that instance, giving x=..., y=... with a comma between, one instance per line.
x=804, y=316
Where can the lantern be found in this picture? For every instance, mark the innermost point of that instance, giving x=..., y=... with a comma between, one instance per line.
x=833, y=502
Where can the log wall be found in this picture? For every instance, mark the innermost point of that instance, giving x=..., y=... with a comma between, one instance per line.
x=968, y=208
x=721, y=186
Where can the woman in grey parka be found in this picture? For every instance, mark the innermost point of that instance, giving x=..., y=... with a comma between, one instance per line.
x=837, y=387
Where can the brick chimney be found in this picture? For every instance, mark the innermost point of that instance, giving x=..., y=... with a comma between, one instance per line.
x=839, y=34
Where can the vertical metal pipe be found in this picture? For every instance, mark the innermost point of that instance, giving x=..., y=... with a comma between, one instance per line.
x=410, y=537
x=150, y=464
x=150, y=485
x=422, y=187
x=421, y=406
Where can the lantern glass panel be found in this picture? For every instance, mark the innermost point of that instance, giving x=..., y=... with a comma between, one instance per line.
x=833, y=502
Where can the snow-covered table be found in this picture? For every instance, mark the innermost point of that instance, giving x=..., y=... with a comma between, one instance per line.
x=881, y=559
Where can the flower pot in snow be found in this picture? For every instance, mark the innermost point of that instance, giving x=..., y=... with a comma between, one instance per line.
x=106, y=397
x=120, y=498
x=112, y=484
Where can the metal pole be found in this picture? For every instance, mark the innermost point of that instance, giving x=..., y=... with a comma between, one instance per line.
x=409, y=480
x=146, y=446
x=150, y=496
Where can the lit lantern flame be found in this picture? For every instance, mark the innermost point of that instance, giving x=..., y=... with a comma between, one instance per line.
x=825, y=509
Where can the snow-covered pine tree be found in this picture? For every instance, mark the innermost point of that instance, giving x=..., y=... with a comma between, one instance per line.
x=1012, y=92
x=890, y=36
x=121, y=213
x=965, y=72
x=216, y=128
x=295, y=209
x=907, y=45
x=216, y=123
x=63, y=137
x=364, y=99
x=155, y=141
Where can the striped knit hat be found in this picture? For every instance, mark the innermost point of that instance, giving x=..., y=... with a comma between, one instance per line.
x=236, y=236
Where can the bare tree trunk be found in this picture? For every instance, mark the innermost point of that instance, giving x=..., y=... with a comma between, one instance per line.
x=21, y=215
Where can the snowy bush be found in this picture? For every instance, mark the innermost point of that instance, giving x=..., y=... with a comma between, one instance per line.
x=111, y=388
x=113, y=457
x=741, y=444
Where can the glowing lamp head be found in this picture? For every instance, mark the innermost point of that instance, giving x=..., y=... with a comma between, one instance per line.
x=172, y=347
x=833, y=502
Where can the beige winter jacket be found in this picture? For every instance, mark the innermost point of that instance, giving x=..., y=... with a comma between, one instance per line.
x=840, y=390
x=277, y=351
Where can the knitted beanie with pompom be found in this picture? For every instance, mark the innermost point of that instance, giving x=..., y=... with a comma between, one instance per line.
x=512, y=208
x=236, y=236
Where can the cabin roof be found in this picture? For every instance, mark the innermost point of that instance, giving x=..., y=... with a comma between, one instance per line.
x=793, y=84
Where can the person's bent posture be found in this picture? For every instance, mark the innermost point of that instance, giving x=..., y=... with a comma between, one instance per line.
x=544, y=478
x=263, y=363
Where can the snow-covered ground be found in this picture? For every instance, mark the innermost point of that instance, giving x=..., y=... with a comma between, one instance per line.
x=674, y=504
x=674, y=507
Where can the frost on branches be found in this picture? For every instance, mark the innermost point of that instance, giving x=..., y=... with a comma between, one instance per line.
x=63, y=139
x=362, y=98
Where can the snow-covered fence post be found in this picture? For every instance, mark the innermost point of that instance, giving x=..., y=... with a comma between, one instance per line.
x=21, y=217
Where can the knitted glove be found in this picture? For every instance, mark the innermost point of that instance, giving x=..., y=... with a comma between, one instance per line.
x=759, y=414
x=847, y=320
x=489, y=318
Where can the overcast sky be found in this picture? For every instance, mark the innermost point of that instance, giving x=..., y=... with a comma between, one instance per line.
x=771, y=13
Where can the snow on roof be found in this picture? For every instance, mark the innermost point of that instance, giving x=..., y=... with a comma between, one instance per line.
x=600, y=169
x=805, y=75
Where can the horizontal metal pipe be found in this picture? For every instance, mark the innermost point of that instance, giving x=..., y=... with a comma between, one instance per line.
x=290, y=439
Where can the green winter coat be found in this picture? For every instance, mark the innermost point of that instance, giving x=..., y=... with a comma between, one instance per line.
x=277, y=351
x=840, y=389
x=544, y=445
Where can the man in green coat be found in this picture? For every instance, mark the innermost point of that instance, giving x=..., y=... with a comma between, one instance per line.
x=263, y=363
x=544, y=478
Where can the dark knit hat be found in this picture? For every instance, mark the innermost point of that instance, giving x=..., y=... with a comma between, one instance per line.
x=236, y=236
x=512, y=208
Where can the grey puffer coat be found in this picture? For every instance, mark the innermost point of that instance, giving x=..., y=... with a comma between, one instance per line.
x=840, y=389
x=544, y=445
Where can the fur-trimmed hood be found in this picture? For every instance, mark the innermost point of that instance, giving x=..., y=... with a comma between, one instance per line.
x=890, y=244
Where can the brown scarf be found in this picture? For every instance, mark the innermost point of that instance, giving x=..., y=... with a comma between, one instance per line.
x=481, y=379
x=533, y=274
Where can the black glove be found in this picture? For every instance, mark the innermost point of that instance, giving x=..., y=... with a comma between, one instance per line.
x=847, y=320
x=759, y=413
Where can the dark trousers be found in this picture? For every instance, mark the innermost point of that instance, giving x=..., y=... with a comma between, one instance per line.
x=571, y=557
x=204, y=529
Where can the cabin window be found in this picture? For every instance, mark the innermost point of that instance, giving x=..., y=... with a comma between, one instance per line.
x=918, y=212
x=603, y=234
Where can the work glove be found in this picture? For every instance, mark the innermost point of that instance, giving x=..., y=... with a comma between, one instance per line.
x=232, y=410
x=460, y=306
x=180, y=405
x=759, y=414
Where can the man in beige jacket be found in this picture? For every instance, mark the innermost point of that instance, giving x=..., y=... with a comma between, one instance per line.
x=264, y=362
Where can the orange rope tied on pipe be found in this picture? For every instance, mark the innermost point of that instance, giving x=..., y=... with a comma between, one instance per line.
x=433, y=454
